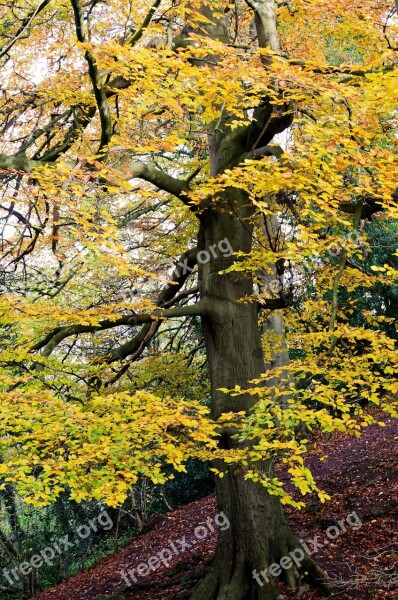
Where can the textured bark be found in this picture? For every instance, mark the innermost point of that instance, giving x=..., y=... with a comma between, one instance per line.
x=258, y=534
x=265, y=16
x=234, y=349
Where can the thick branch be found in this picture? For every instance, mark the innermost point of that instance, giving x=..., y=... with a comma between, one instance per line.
x=269, y=150
x=162, y=180
x=353, y=71
x=137, y=35
x=197, y=309
x=265, y=17
x=18, y=163
x=183, y=268
x=99, y=91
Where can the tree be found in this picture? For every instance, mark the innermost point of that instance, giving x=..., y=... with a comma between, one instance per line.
x=187, y=99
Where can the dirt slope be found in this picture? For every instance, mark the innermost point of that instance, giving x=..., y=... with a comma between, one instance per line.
x=360, y=474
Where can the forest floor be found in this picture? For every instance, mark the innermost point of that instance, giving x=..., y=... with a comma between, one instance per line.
x=360, y=474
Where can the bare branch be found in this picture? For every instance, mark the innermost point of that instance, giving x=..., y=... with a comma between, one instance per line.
x=162, y=180
x=160, y=314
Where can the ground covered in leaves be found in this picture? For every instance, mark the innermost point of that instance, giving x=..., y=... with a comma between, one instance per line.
x=360, y=474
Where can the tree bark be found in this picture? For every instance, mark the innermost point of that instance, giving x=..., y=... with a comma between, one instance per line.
x=258, y=534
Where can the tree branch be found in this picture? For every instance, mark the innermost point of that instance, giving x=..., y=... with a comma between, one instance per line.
x=265, y=18
x=162, y=180
x=269, y=150
x=82, y=118
x=137, y=35
x=26, y=23
x=18, y=163
x=353, y=71
x=197, y=309
x=168, y=295
x=99, y=92
x=337, y=279
x=138, y=169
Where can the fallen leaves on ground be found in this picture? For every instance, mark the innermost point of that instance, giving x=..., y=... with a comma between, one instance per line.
x=359, y=473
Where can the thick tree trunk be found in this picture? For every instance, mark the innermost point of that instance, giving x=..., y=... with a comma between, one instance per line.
x=258, y=534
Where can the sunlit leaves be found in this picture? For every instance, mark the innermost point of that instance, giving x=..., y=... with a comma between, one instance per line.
x=98, y=449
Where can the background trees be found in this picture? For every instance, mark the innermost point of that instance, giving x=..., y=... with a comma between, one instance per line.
x=144, y=189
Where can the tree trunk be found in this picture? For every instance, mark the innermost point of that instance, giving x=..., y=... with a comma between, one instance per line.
x=258, y=534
